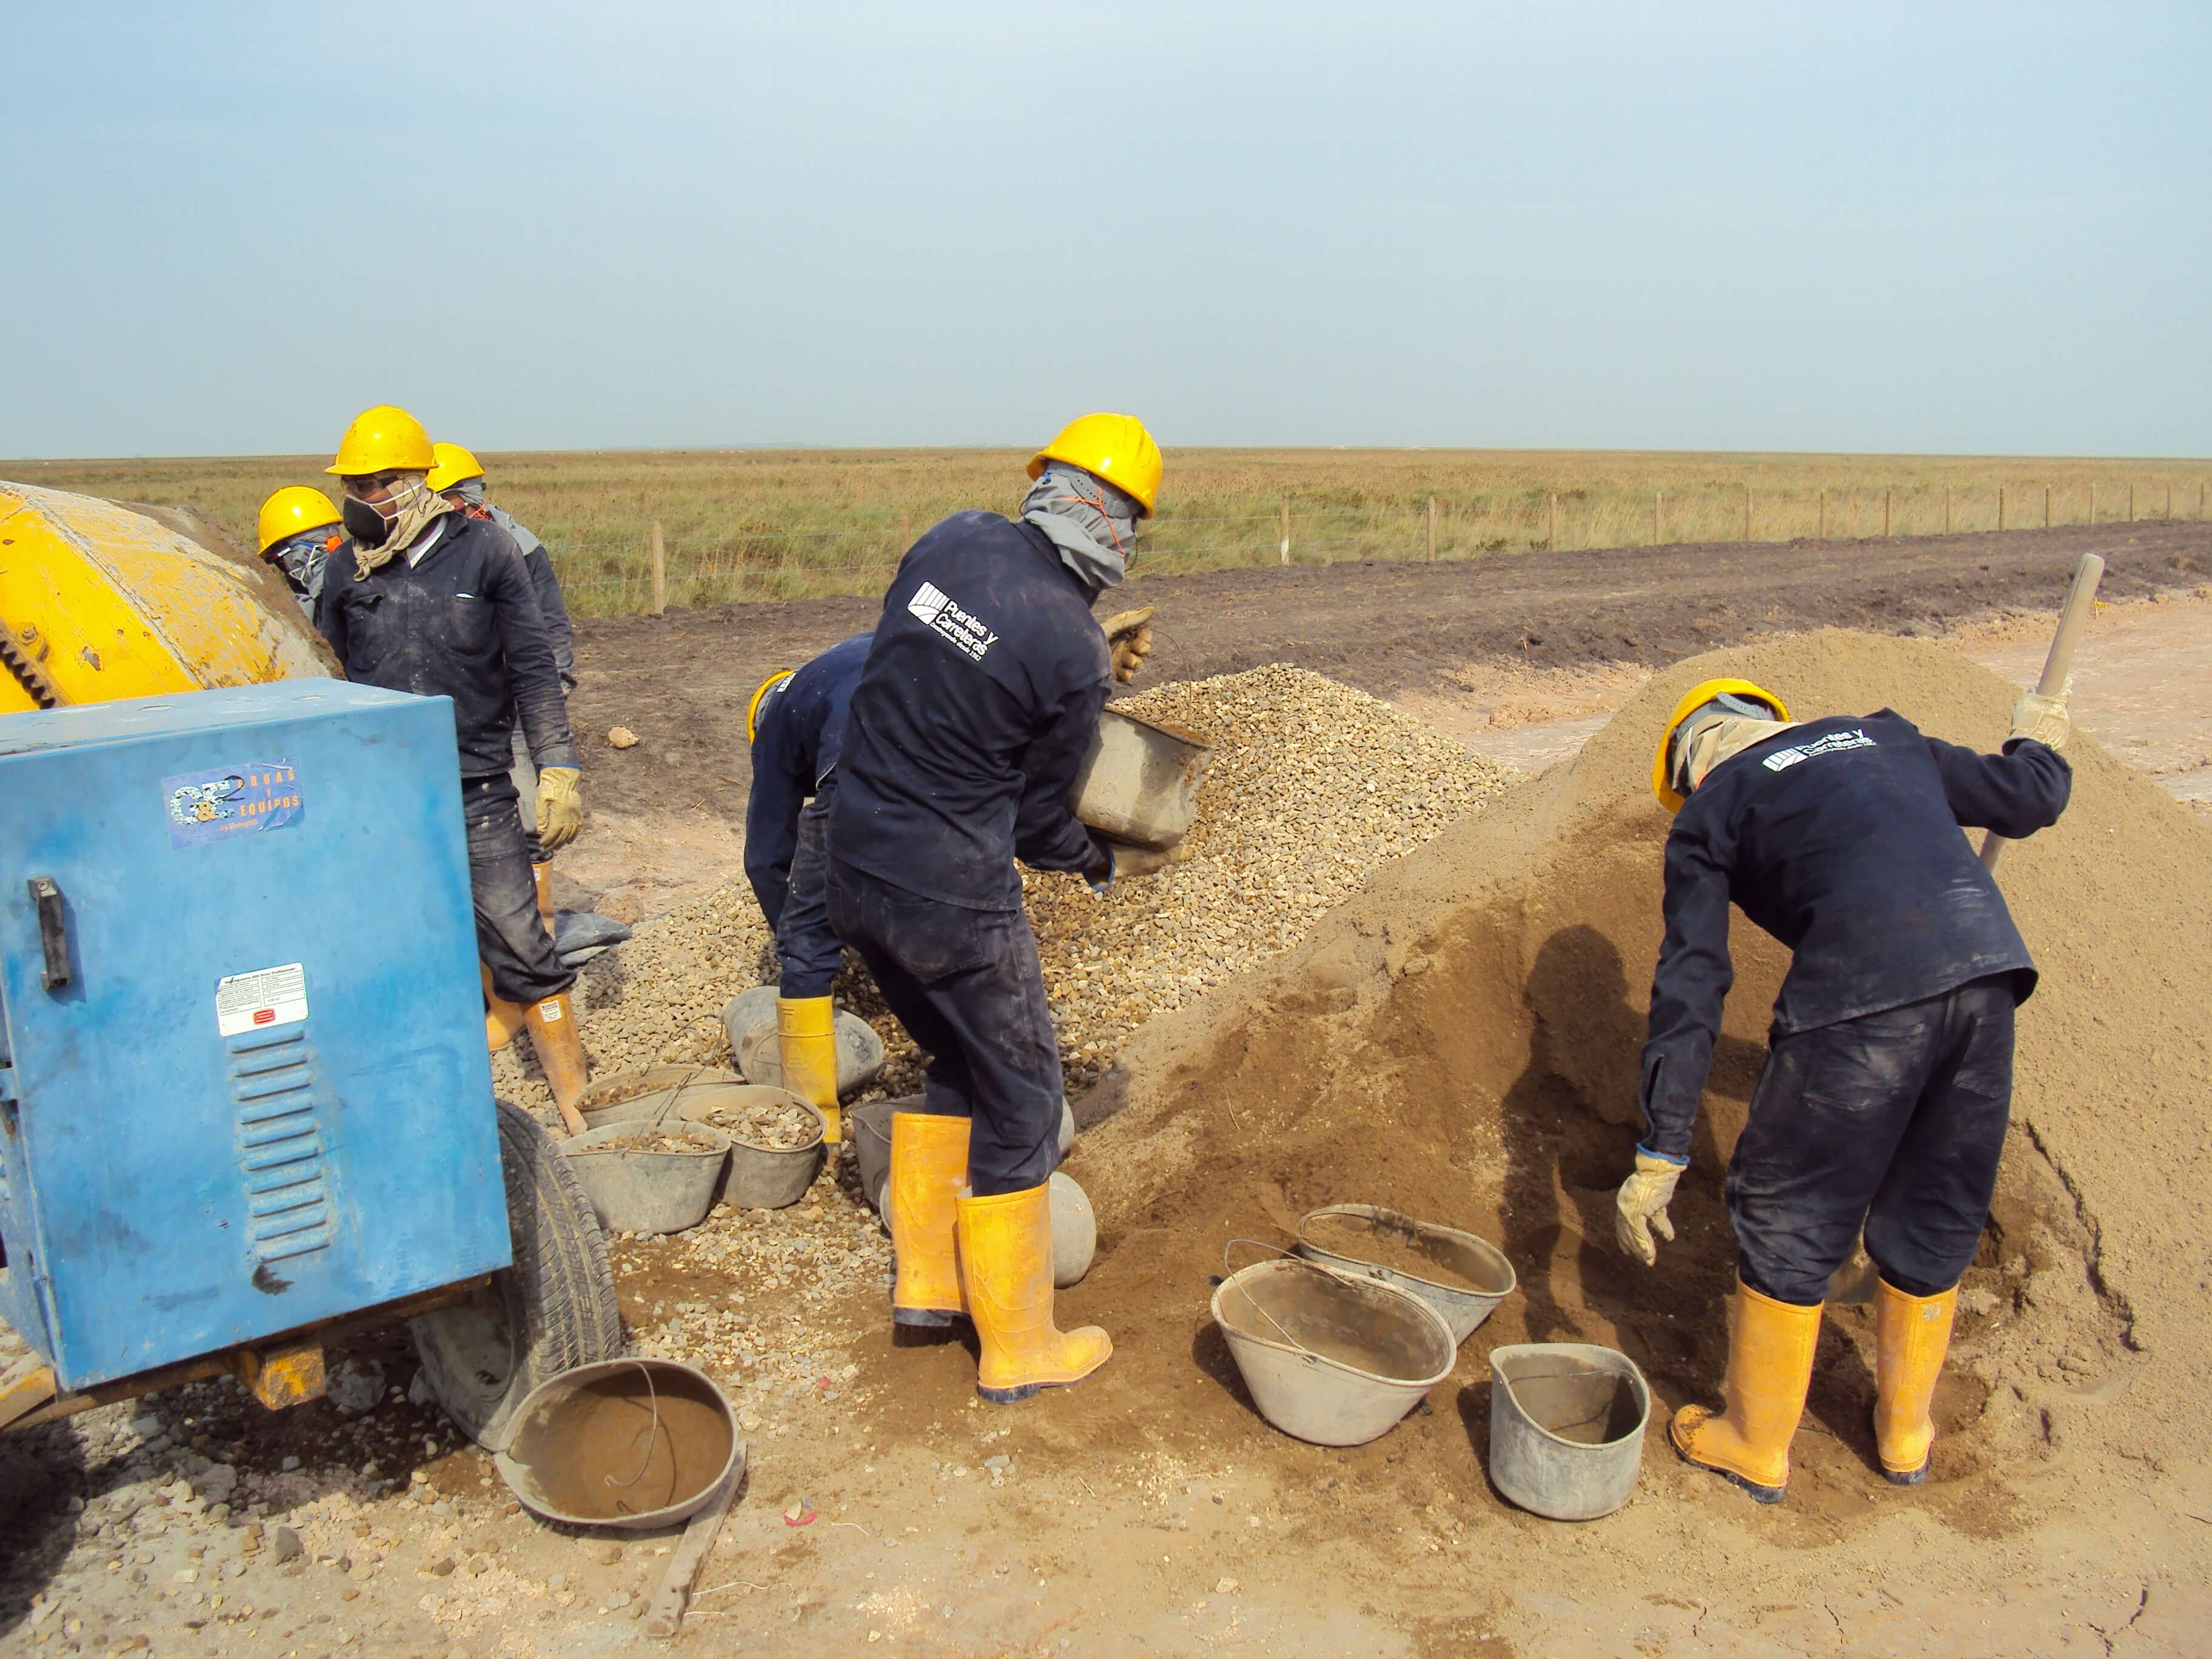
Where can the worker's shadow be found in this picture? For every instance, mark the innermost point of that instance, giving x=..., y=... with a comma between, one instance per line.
x=42, y=1471
x=1571, y=1124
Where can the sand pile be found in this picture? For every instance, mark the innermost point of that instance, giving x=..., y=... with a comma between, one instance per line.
x=1461, y=1040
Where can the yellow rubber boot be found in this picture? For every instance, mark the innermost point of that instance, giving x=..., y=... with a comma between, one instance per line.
x=502, y=1019
x=1770, y=1369
x=541, y=879
x=929, y=1168
x=1005, y=1269
x=1912, y=1334
x=560, y=1049
x=806, y=1044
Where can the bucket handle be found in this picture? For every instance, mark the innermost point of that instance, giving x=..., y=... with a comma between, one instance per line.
x=651, y=1436
x=1318, y=1266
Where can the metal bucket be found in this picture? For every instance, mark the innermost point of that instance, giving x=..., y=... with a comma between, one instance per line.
x=1329, y=1358
x=1139, y=781
x=771, y=1177
x=1470, y=1260
x=1566, y=1427
x=639, y=1192
x=631, y=1444
x=750, y=1024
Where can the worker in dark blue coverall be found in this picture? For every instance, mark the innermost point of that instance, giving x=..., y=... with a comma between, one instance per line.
x=1887, y=1085
x=796, y=725
x=981, y=697
x=427, y=600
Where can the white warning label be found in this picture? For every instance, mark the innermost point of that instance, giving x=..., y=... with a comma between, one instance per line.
x=252, y=1002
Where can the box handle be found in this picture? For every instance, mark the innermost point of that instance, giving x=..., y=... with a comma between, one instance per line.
x=46, y=894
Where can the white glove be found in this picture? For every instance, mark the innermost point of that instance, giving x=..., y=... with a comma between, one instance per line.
x=1642, y=1206
x=2042, y=718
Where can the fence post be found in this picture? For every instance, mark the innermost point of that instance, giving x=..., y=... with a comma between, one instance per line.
x=2047, y=506
x=2001, y=506
x=1286, y=529
x=1746, y=513
x=2092, y=500
x=1885, y=515
x=1824, y=513
x=1947, y=509
x=1552, y=525
x=1658, y=518
x=1432, y=530
x=2169, y=498
x=660, y=571
x=2131, y=503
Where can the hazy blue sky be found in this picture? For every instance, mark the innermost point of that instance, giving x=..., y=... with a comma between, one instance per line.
x=1868, y=227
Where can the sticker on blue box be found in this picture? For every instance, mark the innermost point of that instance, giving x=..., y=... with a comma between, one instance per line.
x=231, y=801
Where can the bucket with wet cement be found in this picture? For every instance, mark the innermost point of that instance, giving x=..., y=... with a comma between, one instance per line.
x=646, y=1176
x=1461, y=1276
x=632, y=1443
x=1330, y=1357
x=1566, y=1427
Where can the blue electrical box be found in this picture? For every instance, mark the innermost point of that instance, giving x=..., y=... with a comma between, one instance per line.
x=244, y=1087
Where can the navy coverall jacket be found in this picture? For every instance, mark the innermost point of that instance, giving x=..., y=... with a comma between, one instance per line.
x=797, y=734
x=552, y=606
x=463, y=624
x=1841, y=838
x=980, y=699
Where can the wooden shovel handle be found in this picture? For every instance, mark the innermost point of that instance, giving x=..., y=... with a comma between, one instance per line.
x=2080, y=601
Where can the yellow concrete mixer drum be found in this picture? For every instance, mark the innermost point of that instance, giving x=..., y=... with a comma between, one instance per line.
x=100, y=601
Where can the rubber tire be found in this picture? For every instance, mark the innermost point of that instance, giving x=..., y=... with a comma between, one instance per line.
x=553, y=1309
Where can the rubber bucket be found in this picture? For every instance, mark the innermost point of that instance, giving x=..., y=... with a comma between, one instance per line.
x=642, y=1192
x=1566, y=1427
x=630, y=1444
x=750, y=1024
x=1330, y=1358
x=1139, y=781
x=1472, y=1277
x=772, y=1177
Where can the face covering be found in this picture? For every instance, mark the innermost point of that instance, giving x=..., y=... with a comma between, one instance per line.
x=1092, y=524
x=470, y=491
x=378, y=539
x=1724, y=739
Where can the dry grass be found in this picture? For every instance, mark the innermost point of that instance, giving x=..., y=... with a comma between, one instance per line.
x=764, y=524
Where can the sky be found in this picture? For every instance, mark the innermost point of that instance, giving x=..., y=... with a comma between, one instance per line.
x=1973, y=228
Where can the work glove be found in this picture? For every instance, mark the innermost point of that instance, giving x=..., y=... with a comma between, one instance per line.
x=2042, y=718
x=560, y=805
x=1140, y=862
x=1130, y=634
x=1642, y=1206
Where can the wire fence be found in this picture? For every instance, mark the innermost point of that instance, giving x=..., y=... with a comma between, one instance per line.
x=652, y=571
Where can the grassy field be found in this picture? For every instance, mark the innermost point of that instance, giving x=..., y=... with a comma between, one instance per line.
x=776, y=524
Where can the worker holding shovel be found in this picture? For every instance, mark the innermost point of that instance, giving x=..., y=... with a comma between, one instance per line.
x=1888, y=1085
x=980, y=698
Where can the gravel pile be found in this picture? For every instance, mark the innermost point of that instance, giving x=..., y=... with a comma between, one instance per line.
x=776, y=1126
x=1312, y=786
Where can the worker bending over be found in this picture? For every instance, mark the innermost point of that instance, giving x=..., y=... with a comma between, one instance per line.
x=796, y=725
x=460, y=479
x=299, y=532
x=429, y=601
x=1888, y=1078
x=979, y=699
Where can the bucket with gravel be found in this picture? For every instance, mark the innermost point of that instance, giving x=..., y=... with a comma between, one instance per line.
x=629, y=1444
x=648, y=1177
x=749, y=1022
x=775, y=1144
x=650, y=1093
x=1461, y=1276
x=1566, y=1427
x=1139, y=781
x=1330, y=1357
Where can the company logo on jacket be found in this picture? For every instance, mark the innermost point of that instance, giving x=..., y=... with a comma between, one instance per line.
x=1781, y=759
x=934, y=605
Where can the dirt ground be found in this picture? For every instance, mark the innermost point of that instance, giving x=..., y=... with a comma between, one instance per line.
x=1152, y=1512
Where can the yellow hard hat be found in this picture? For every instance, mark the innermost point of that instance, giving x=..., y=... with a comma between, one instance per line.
x=752, y=709
x=1115, y=447
x=1692, y=700
x=455, y=465
x=383, y=440
x=291, y=509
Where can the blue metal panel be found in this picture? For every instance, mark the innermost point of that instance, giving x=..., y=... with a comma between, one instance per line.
x=263, y=1098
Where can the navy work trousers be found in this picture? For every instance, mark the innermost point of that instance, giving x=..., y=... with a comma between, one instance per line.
x=510, y=937
x=968, y=987
x=807, y=949
x=1893, y=1120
